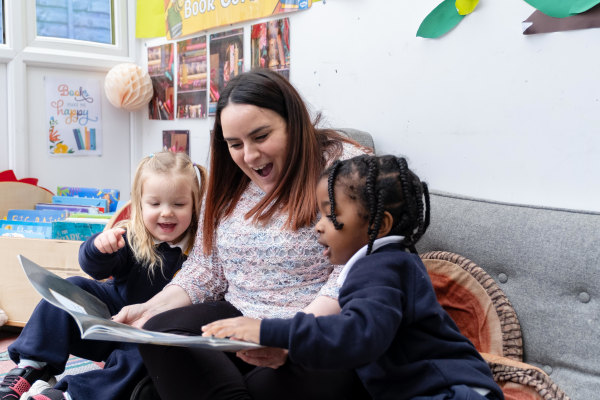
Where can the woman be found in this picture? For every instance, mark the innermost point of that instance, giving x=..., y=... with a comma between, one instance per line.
x=256, y=253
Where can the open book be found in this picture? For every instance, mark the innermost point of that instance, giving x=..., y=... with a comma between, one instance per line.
x=93, y=318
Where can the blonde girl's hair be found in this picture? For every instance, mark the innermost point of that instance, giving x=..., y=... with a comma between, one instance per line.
x=167, y=163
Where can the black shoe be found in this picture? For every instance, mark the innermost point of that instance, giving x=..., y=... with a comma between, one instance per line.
x=19, y=380
x=49, y=394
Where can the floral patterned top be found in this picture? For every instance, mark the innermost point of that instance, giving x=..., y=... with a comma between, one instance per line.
x=263, y=271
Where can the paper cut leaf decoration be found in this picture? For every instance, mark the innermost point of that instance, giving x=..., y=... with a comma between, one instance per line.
x=538, y=22
x=128, y=86
x=562, y=8
x=441, y=20
x=465, y=7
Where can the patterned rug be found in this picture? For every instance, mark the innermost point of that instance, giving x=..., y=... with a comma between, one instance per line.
x=75, y=365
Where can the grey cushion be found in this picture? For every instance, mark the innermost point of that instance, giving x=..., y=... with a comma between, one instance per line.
x=361, y=137
x=547, y=261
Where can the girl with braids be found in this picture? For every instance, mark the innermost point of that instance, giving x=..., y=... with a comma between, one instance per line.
x=391, y=329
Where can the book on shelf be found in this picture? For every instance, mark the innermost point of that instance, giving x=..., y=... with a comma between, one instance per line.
x=102, y=204
x=112, y=196
x=93, y=318
x=35, y=215
x=70, y=208
x=29, y=229
x=21, y=234
x=77, y=228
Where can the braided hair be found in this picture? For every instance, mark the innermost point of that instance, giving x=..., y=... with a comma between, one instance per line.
x=380, y=184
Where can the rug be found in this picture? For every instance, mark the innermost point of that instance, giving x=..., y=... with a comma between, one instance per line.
x=75, y=365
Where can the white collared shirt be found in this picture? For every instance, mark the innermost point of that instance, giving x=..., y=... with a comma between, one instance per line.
x=362, y=252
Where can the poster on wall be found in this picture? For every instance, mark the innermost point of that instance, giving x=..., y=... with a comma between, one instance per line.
x=176, y=141
x=186, y=17
x=270, y=46
x=161, y=70
x=74, y=115
x=226, y=61
x=192, y=78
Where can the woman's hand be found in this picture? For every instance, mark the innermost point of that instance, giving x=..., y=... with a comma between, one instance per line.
x=271, y=357
x=110, y=240
x=167, y=299
x=239, y=328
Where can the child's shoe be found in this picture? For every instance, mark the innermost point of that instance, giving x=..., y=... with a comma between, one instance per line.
x=49, y=394
x=19, y=380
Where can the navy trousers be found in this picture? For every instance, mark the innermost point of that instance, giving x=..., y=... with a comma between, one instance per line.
x=51, y=335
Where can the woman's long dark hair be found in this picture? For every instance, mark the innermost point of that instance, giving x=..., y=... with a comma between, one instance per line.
x=295, y=190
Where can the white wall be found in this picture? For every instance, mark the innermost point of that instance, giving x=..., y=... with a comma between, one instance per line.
x=483, y=111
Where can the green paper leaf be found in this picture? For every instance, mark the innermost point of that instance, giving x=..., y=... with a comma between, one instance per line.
x=562, y=8
x=440, y=21
x=580, y=6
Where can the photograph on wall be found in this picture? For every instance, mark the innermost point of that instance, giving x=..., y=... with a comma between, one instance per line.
x=176, y=141
x=161, y=70
x=226, y=61
x=73, y=109
x=192, y=78
x=270, y=46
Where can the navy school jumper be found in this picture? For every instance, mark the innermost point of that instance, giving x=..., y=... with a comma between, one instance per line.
x=51, y=334
x=391, y=330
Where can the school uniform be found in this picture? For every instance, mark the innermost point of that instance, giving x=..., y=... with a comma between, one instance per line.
x=391, y=330
x=51, y=335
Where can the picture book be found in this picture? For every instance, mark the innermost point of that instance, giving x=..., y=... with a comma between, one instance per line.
x=93, y=318
x=111, y=196
x=40, y=230
x=102, y=204
x=70, y=208
x=35, y=215
x=21, y=234
x=71, y=229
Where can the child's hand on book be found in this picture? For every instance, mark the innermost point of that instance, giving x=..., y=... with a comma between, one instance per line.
x=240, y=328
x=110, y=240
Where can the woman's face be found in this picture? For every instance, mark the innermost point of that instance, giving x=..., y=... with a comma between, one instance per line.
x=257, y=140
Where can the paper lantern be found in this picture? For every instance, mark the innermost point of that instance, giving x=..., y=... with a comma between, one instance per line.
x=128, y=86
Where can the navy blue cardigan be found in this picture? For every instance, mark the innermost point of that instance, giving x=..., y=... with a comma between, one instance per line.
x=391, y=330
x=131, y=280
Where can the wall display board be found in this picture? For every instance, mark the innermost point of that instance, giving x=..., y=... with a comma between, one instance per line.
x=192, y=78
x=270, y=46
x=226, y=61
x=73, y=111
x=186, y=17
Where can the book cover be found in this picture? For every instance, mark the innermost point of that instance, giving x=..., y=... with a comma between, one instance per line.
x=70, y=208
x=36, y=215
x=21, y=234
x=111, y=196
x=101, y=203
x=73, y=230
x=42, y=230
x=93, y=318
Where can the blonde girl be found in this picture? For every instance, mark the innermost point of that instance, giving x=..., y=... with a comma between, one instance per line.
x=130, y=263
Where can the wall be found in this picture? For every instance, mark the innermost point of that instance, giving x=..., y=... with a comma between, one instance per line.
x=483, y=111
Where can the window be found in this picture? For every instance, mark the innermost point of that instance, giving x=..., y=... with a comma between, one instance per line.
x=86, y=20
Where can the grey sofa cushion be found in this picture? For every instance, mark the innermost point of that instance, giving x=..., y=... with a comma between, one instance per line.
x=547, y=261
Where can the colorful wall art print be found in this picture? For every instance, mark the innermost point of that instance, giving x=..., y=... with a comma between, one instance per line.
x=226, y=61
x=270, y=46
x=73, y=110
x=161, y=70
x=177, y=141
x=192, y=78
